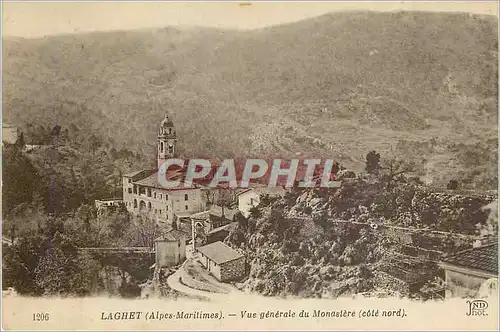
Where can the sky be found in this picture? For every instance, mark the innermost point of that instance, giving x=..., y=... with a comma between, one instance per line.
x=38, y=19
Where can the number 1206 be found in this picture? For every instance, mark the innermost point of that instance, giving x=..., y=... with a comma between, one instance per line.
x=41, y=317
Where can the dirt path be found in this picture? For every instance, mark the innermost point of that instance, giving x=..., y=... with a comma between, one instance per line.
x=174, y=282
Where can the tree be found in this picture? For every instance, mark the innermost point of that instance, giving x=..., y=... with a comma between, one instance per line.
x=372, y=162
x=452, y=185
x=19, y=262
x=209, y=197
x=21, y=142
x=225, y=197
x=491, y=226
x=24, y=219
x=56, y=130
x=63, y=271
x=394, y=168
x=19, y=179
x=142, y=232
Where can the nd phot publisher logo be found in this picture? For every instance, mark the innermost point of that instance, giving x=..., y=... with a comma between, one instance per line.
x=477, y=308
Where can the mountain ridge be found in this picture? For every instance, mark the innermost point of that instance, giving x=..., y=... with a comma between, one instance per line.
x=307, y=87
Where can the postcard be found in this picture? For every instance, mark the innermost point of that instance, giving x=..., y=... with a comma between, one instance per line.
x=250, y=166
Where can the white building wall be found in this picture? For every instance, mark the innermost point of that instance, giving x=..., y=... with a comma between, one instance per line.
x=170, y=253
x=163, y=203
x=246, y=201
x=10, y=134
x=127, y=191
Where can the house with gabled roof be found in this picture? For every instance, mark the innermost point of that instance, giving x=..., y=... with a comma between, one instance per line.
x=222, y=261
x=467, y=271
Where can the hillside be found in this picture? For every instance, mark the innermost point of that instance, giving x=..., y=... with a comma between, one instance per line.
x=338, y=85
x=358, y=239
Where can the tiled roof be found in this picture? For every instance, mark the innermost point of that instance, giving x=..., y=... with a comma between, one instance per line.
x=228, y=227
x=201, y=215
x=139, y=175
x=219, y=252
x=132, y=174
x=110, y=199
x=152, y=181
x=217, y=211
x=265, y=190
x=173, y=235
x=483, y=258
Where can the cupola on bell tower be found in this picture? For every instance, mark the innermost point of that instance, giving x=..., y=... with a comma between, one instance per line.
x=166, y=140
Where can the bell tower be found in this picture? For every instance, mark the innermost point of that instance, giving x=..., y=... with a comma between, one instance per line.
x=166, y=140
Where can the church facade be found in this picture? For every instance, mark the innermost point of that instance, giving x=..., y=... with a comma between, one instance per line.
x=143, y=194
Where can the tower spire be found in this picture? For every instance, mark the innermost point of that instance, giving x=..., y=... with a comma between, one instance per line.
x=167, y=139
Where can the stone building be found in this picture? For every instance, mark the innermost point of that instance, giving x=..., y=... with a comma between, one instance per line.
x=170, y=248
x=143, y=194
x=468, y=272
x=223, y=262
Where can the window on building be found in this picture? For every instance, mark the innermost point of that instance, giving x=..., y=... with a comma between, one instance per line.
x=251, y=201
x=129, y=180
x=129, y=190
x=135, y=204
x=166, y=209
x=149, y=192
x=161, y=196
x=166, y=197
x=186, y=197
x=161, y=147
x=155, y=195
x=149, y=205
x=186, y=207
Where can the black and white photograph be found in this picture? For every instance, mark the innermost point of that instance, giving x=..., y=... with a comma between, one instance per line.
x=167, y=157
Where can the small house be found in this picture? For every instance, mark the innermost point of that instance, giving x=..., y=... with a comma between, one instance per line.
x=170, y=248
x=222, y=261
x=467, y=271
x=251, y=197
